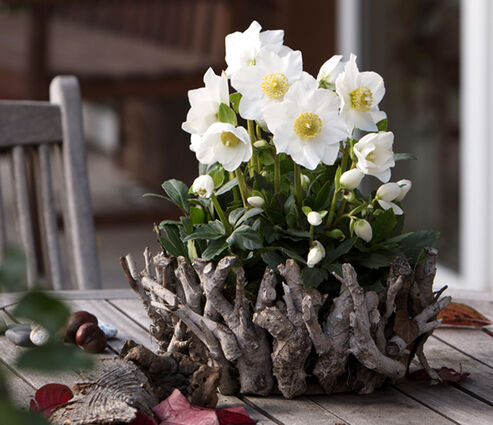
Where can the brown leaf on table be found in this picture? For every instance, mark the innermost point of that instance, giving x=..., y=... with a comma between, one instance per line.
x=446, y=374
x=457, y=314
x=48, y=397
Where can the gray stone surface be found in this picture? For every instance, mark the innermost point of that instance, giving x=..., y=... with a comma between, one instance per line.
x=19, y=335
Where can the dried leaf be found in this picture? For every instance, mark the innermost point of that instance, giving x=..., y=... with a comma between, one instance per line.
x=176, y=410
x=49, y=396
x=447, y=374
x=457, y=314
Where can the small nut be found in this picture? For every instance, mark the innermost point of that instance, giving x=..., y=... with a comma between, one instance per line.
x=90, y=338
x=75, y=321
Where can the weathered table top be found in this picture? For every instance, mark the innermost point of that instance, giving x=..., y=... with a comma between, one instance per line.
x=409, y=402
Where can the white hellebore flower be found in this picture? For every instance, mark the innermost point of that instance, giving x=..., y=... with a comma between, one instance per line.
x=316, y=254
x=363, y=230
x=205, y=103
x=267, y=82
x=360, y=94
x=405, y=186
x=314, y=218
x=329, y=71
x=387, y=193
x=256, y=201
x=306, y=125
x=203, y=186
x=242, y=47
x=351, y=179
x=226, y=144
x=375, y=155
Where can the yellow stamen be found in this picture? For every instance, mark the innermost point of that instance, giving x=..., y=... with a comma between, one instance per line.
x=370, y=156
x=361, y=99
x=202, y=192
x=229, y=139
x=275, y=85
x=307, y=126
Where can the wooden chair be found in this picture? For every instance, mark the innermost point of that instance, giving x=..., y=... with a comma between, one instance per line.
x=32, y=133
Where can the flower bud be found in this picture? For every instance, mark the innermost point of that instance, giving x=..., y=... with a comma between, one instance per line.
x=363, y=230
x=203, y=186
x=256, y=201
x=260, y=144
x=305, y=182
x=351, y=179
x=314, y=218
x=405, y=186
x=388, y=192
x=316, y=254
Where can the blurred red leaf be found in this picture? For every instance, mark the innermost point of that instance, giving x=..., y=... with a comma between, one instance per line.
x=143, y=419
x=49, y=396
x=447, y=374
x=457, y=314
x=176, y=410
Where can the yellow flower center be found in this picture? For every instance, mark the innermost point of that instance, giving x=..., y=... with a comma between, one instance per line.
x=229, y=139
x=202, y=192
x=370, y=156
x=361, y=99
x=307, y=126
x=275, y=85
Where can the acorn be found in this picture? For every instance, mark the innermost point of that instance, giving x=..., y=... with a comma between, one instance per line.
x=75, y=321
x=90, y=338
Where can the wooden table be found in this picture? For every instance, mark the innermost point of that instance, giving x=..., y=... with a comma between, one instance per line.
x=410, y=402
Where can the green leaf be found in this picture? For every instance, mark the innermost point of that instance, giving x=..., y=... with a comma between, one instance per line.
x=336, y=234
x=382, y=125
x=44, y=310
x=272, y=259
x=227, y=115
x=155, y=195
x=411, y=244
x=244, y=237
x=323, y=198
x=404, y=157
x=178, y=193
x=172, y=241
x=291, y=254
x=383, y=225
x=235, y=215
x=306, y=210
x=340, y=250
x=375, y=260
x=266, y=158
x=197, y=215
x=55, y=357
x=212, y=230
x=312, y=278
x=227, y=186
x=217, y=174
x=235, y=98
x=15, y=416
x=214, y=248
x=252, y=212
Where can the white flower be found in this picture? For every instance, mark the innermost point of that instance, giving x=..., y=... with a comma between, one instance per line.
x=226, y=144
x=388, y=192
x=242, y=47
x=256, y=201
x=306, y=125
x=205, y=103
x=314, y=218
x=351, y=179
x=405, y=186
x=363, y=230
x=203, y=186
x=360, y=94
x=267, y=82
x=316, y=254
x=375, y=155
x=387, y=205
x=329, y=71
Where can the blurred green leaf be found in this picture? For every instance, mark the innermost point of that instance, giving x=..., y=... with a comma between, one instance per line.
x=13, y=416
x=227, y=115
x=382, y=125
x=235, y=98
x=244, y=237
x=44, y=310
x=197, y=215
x=404, y=157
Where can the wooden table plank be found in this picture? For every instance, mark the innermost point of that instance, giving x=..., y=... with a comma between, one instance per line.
x=385, y=406
x=127, y=328
x=133, y=308
x=20, y=391
x=230, y=401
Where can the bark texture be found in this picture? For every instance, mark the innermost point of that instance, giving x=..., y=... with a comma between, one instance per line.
x=289, y=334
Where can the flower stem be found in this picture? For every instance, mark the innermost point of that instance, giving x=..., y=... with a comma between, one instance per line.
x=221, y=214
x=297, y=184
x=311, y=234
x=277, y=173
x=333, y=203
x=236, y=194
x=242, y=185
x=255, y=164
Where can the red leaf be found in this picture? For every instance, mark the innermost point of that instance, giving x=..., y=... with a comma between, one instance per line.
x=143, y=419
x=49, y=396
x=457, y=314
x=176, y=410
x=447, y=375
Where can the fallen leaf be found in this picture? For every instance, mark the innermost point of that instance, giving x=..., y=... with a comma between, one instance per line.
x=176, y=410
x=457, y=314
x=143, y=419
x=447, y=374
x=48, y=397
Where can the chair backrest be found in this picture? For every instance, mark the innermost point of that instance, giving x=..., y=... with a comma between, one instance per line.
x=32, y=133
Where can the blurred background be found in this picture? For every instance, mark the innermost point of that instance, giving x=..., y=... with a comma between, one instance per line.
x=136, y=60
